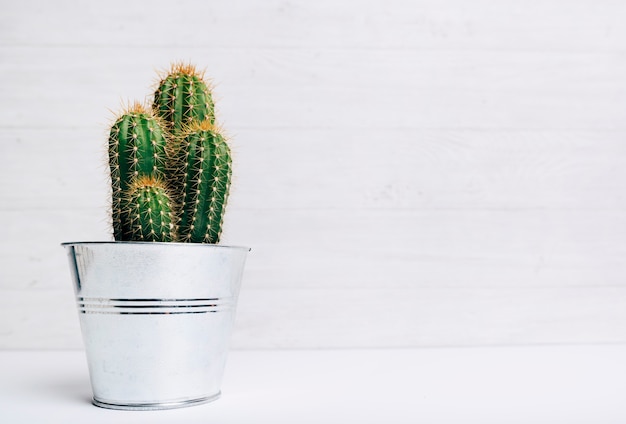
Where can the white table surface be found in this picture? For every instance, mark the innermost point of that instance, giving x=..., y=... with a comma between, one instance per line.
x=544, y=384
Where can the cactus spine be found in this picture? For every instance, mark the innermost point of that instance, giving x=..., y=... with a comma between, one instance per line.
x=170, y=165
x=206, y=181
x=148, y=211
x=183, y=97
x=137, y=147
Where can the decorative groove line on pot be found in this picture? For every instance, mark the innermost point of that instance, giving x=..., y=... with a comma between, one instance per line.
x=94, y=305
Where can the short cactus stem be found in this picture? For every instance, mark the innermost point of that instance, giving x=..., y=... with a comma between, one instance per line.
x=206, y=176
x=148, y=210
x=183, y=97
x=137, y=147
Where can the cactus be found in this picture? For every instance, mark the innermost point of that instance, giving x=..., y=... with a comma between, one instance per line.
x=206, y=175
x=183, y=97
x=137, y=147
x=148, y=210
x=170, y=165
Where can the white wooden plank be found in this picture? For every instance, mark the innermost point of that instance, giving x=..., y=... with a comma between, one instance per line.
x=30, y=248
x=52, y=169
x=424, y=169
x=39, y=319
x=462, y=248
x=427, y=24
x=348, y=318
x=364, y=248
x=70, y=87
x=438, y=317
x=347, y=169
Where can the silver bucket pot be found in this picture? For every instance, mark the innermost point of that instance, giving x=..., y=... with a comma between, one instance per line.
x=156, y=319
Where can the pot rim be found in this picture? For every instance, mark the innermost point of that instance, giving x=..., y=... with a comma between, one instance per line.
x=158, y=243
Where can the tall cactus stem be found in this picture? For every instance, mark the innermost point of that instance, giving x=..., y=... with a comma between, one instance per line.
x=206, y=176
x=137, y=147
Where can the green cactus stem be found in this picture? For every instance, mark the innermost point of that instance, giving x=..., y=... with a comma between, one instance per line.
x=148, y=210
x=206, y=176
x=137, y=147
x=182, y=97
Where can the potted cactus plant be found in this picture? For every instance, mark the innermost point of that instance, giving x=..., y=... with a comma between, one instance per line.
x=157, y=305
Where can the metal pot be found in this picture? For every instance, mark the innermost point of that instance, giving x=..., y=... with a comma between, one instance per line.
x=156, y=319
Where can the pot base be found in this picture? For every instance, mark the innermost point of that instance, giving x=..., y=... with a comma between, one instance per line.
x=148, y=406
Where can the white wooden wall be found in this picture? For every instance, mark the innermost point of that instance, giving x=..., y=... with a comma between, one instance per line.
x=408, y=172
